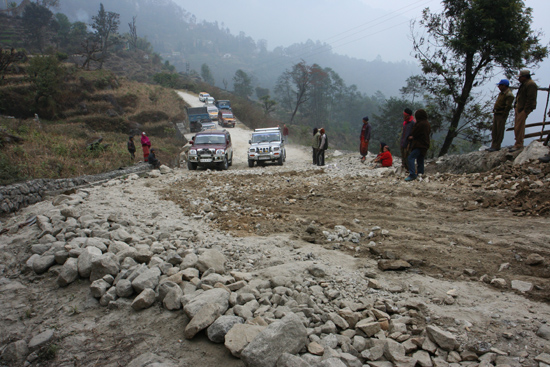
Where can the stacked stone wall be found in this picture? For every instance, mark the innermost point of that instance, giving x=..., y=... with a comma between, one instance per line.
x=20, y=195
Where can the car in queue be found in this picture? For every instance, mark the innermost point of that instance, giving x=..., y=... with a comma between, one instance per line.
x=266, y=145
x=210, y=149
x=208, y=125
x=226, y=118
x=213, y=112
x=203, y=96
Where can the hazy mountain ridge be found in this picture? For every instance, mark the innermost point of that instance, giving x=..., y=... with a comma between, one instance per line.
x=175, y=34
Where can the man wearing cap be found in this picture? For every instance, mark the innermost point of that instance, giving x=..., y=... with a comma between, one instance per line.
x=502, y=108
x=408, y=124
x=365, y=137
x=526, y=102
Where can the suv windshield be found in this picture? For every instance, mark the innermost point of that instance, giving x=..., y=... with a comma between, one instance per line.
x=266, y=138
x=210, y=139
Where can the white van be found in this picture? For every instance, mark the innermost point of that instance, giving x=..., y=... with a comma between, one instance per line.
x=209, y=100
x=203, y=96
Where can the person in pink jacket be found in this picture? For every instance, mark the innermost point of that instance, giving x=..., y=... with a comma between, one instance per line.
x=145, y=145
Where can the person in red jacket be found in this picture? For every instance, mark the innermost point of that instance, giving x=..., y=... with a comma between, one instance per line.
x=145, y=145
x=384, y=158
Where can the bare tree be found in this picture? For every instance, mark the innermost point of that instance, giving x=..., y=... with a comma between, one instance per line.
x=91, y=48
x=133, y=34
x=293, y=86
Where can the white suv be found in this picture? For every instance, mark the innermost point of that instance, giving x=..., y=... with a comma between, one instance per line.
x=203, y=96
x=266, y=145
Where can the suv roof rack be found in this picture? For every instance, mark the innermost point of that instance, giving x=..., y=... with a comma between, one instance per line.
x=267, y=129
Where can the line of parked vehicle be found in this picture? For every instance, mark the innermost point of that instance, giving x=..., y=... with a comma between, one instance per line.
x=200, y=118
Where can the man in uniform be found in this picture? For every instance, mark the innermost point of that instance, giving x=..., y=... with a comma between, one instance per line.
x=526, y=102
x=502, y=108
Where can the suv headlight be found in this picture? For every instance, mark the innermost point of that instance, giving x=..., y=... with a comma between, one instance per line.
x=276, y=149
x=220, y=152
x=252, y=150
x=192, y=152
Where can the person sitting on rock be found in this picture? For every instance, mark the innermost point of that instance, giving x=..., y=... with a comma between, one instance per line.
x=153, y=161
x=384, y=158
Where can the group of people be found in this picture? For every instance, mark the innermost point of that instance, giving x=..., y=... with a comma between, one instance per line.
x=524, y=103
x=319, y=145
x=414, y=144
x=416, y=130
x=149, y=154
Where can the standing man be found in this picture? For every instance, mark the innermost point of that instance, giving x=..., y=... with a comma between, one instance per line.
x=131, y=147
x=408, y=124
x=315, y=144
x=323, y=145
x=526, y=102
x=420, y=143
x=365, y=137
x=285, y=133
x=502, y=108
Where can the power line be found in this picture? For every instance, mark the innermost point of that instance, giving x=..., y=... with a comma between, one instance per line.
x=312, y=51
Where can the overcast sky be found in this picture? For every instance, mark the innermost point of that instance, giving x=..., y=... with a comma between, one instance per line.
x=363, y=29
x=358, y=28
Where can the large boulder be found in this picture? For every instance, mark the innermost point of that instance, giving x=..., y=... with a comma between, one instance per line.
x=144, y=300
x=287, y=335
x=105, y=264
x=217, y=331
x=239, y=336
x=217, y=296
x=68, y=273
x=85, y=260
x=43, y=263
x=149, y=279
x=531, y=153
x=211, y=259
x=203, y=319
x=444, y=339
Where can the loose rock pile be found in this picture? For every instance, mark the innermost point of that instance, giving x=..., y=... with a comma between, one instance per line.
x=314, y=319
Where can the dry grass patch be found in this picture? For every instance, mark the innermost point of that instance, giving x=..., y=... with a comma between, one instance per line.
x=58, y=150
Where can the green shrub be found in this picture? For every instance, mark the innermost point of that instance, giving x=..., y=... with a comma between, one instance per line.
x=9, y=173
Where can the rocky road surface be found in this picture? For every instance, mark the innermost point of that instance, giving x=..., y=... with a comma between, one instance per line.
x=464, y=254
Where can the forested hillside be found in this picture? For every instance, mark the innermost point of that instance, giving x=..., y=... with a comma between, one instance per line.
x=175, y=34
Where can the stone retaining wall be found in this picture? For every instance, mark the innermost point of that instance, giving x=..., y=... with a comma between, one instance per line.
x=17, y=196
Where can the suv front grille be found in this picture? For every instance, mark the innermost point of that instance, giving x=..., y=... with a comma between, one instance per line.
x=205, y=151
x=264, y=150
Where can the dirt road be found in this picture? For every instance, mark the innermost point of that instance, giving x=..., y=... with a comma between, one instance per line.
x=240, y=135
x=478, y=246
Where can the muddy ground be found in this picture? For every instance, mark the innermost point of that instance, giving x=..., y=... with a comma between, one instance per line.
x=450, y=226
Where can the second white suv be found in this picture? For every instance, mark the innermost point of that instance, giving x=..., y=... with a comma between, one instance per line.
x=266, y=145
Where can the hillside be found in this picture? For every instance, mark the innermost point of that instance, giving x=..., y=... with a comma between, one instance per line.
x=88, y=105
x=176, y=36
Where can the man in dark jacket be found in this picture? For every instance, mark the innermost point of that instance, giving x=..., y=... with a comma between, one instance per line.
x=526, y=102
x=502, y=108
x=408, y=124
x=153, y=161
x=132, y=147
x=420, y=143
x=364, y=139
